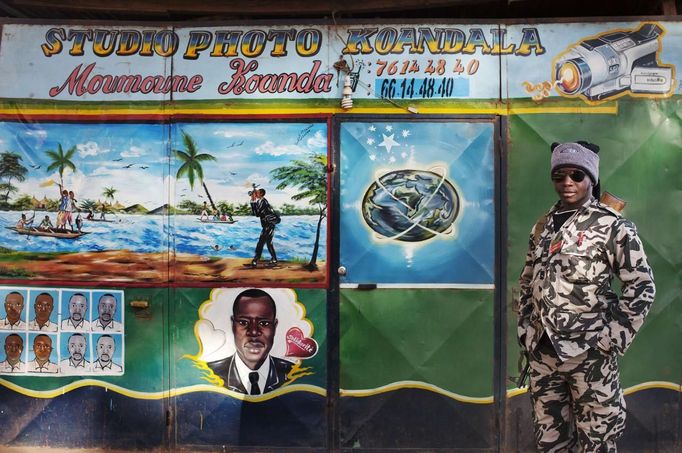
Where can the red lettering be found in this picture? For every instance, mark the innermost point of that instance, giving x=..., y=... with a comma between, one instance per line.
x=243, y=80
x=81, y=82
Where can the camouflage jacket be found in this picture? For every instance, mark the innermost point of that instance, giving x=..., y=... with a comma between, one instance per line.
x=566, y=283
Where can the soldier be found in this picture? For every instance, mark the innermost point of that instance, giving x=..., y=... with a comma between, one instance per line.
x=572, y=325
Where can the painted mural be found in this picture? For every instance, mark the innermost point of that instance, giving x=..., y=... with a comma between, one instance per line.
x=94, y=199
x=254, y=341
x=257, y=198
x=59, y=332
x=417, y=202
x=190, y=165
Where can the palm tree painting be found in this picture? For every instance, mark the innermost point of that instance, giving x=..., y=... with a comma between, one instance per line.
x=61, y=161
x=311, y=179
x=191, y=164
x=108, y=194
x=11, y=168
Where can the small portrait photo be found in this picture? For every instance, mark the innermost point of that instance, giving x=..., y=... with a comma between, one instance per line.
x=13, y=309
x=14, y=352
x=42, y=310
x=254, y=339
x=43, y=353
x=108, y=353
x=107, y=311
x=75, y=353
x=75, y=310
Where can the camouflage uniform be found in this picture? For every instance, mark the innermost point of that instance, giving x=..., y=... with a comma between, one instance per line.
x=566, y=295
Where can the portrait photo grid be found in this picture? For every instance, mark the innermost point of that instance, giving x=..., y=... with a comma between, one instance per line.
x=61, y=331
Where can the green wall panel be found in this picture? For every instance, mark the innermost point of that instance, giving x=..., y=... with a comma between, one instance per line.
x=641, y=159
x=440, y=337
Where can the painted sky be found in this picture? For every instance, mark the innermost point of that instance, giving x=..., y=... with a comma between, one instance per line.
x=134, y=158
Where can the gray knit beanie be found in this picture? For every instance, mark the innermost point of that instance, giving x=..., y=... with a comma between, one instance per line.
x=580, y=155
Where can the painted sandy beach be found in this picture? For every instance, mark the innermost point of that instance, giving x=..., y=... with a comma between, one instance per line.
x=126, y=267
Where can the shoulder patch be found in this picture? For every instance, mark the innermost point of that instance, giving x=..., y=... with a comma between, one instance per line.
x=606, y=208
x=539, y=227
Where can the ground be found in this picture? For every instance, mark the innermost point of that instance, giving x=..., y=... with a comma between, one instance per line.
x=122, y=266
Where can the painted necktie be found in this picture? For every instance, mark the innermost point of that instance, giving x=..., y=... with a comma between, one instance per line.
x=253, y=378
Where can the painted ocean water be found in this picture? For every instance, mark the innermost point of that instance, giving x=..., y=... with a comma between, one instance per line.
x=294, y=236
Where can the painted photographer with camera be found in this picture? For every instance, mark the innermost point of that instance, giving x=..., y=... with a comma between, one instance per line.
x=268, y=220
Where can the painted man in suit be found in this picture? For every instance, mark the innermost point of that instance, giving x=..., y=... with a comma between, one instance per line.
x=268, y=221
x=252, y=370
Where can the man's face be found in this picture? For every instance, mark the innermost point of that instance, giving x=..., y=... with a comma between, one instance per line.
x=105, y=349
x=14, y=346
x=42, y=347
x=106, y=308
x=77, y=307
x=14, y=305
x=43, y=306
x=571, y=192
x=77, y=347
x=253, y=326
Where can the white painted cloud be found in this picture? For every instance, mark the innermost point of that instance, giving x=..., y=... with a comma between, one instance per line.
x=231, y=133
x=90, y=149
x=318, y=140
x=40, y=133
x=274, y=150
x=134, y=151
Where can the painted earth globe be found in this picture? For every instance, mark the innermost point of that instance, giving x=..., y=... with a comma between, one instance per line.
x=410, y=205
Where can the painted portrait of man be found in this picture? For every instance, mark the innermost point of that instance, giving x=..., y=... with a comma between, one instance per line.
x=77, y=361
x=106, y=315
x=14, y=349
x=43, y=308
x=42, y=361
x=14, y=312
x=78, y=308
x=252, y=370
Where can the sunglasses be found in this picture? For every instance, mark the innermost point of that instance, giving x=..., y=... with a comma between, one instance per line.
x=575, y=175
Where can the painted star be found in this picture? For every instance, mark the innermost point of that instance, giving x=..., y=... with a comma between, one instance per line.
x=370, y=141
x=389, y=128
x=372, y=157
x=388, y=142
x=405, y=133
x=372, y=128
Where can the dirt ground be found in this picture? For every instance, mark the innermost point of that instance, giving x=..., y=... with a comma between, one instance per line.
x=127, y=267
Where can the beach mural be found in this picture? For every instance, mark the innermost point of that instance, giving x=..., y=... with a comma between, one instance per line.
x=83, y=201
x=254, y=197
x=224, y=202
x=417, y=203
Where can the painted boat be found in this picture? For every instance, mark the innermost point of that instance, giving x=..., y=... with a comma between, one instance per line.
x=216, y=221
x=51, y=232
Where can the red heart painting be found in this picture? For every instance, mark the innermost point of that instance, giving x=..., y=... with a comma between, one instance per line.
x=298, y=345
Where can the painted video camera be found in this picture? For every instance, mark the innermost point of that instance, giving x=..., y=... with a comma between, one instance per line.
x=254, y=186
x=601, y=67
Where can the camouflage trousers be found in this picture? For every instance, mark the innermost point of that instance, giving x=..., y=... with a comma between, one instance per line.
x=578, y=404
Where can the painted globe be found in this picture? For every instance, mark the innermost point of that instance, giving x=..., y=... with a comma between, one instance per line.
x=410, y=205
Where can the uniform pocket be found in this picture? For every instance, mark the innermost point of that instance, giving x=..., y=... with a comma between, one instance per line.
x=577, y=268
x=567, y=322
